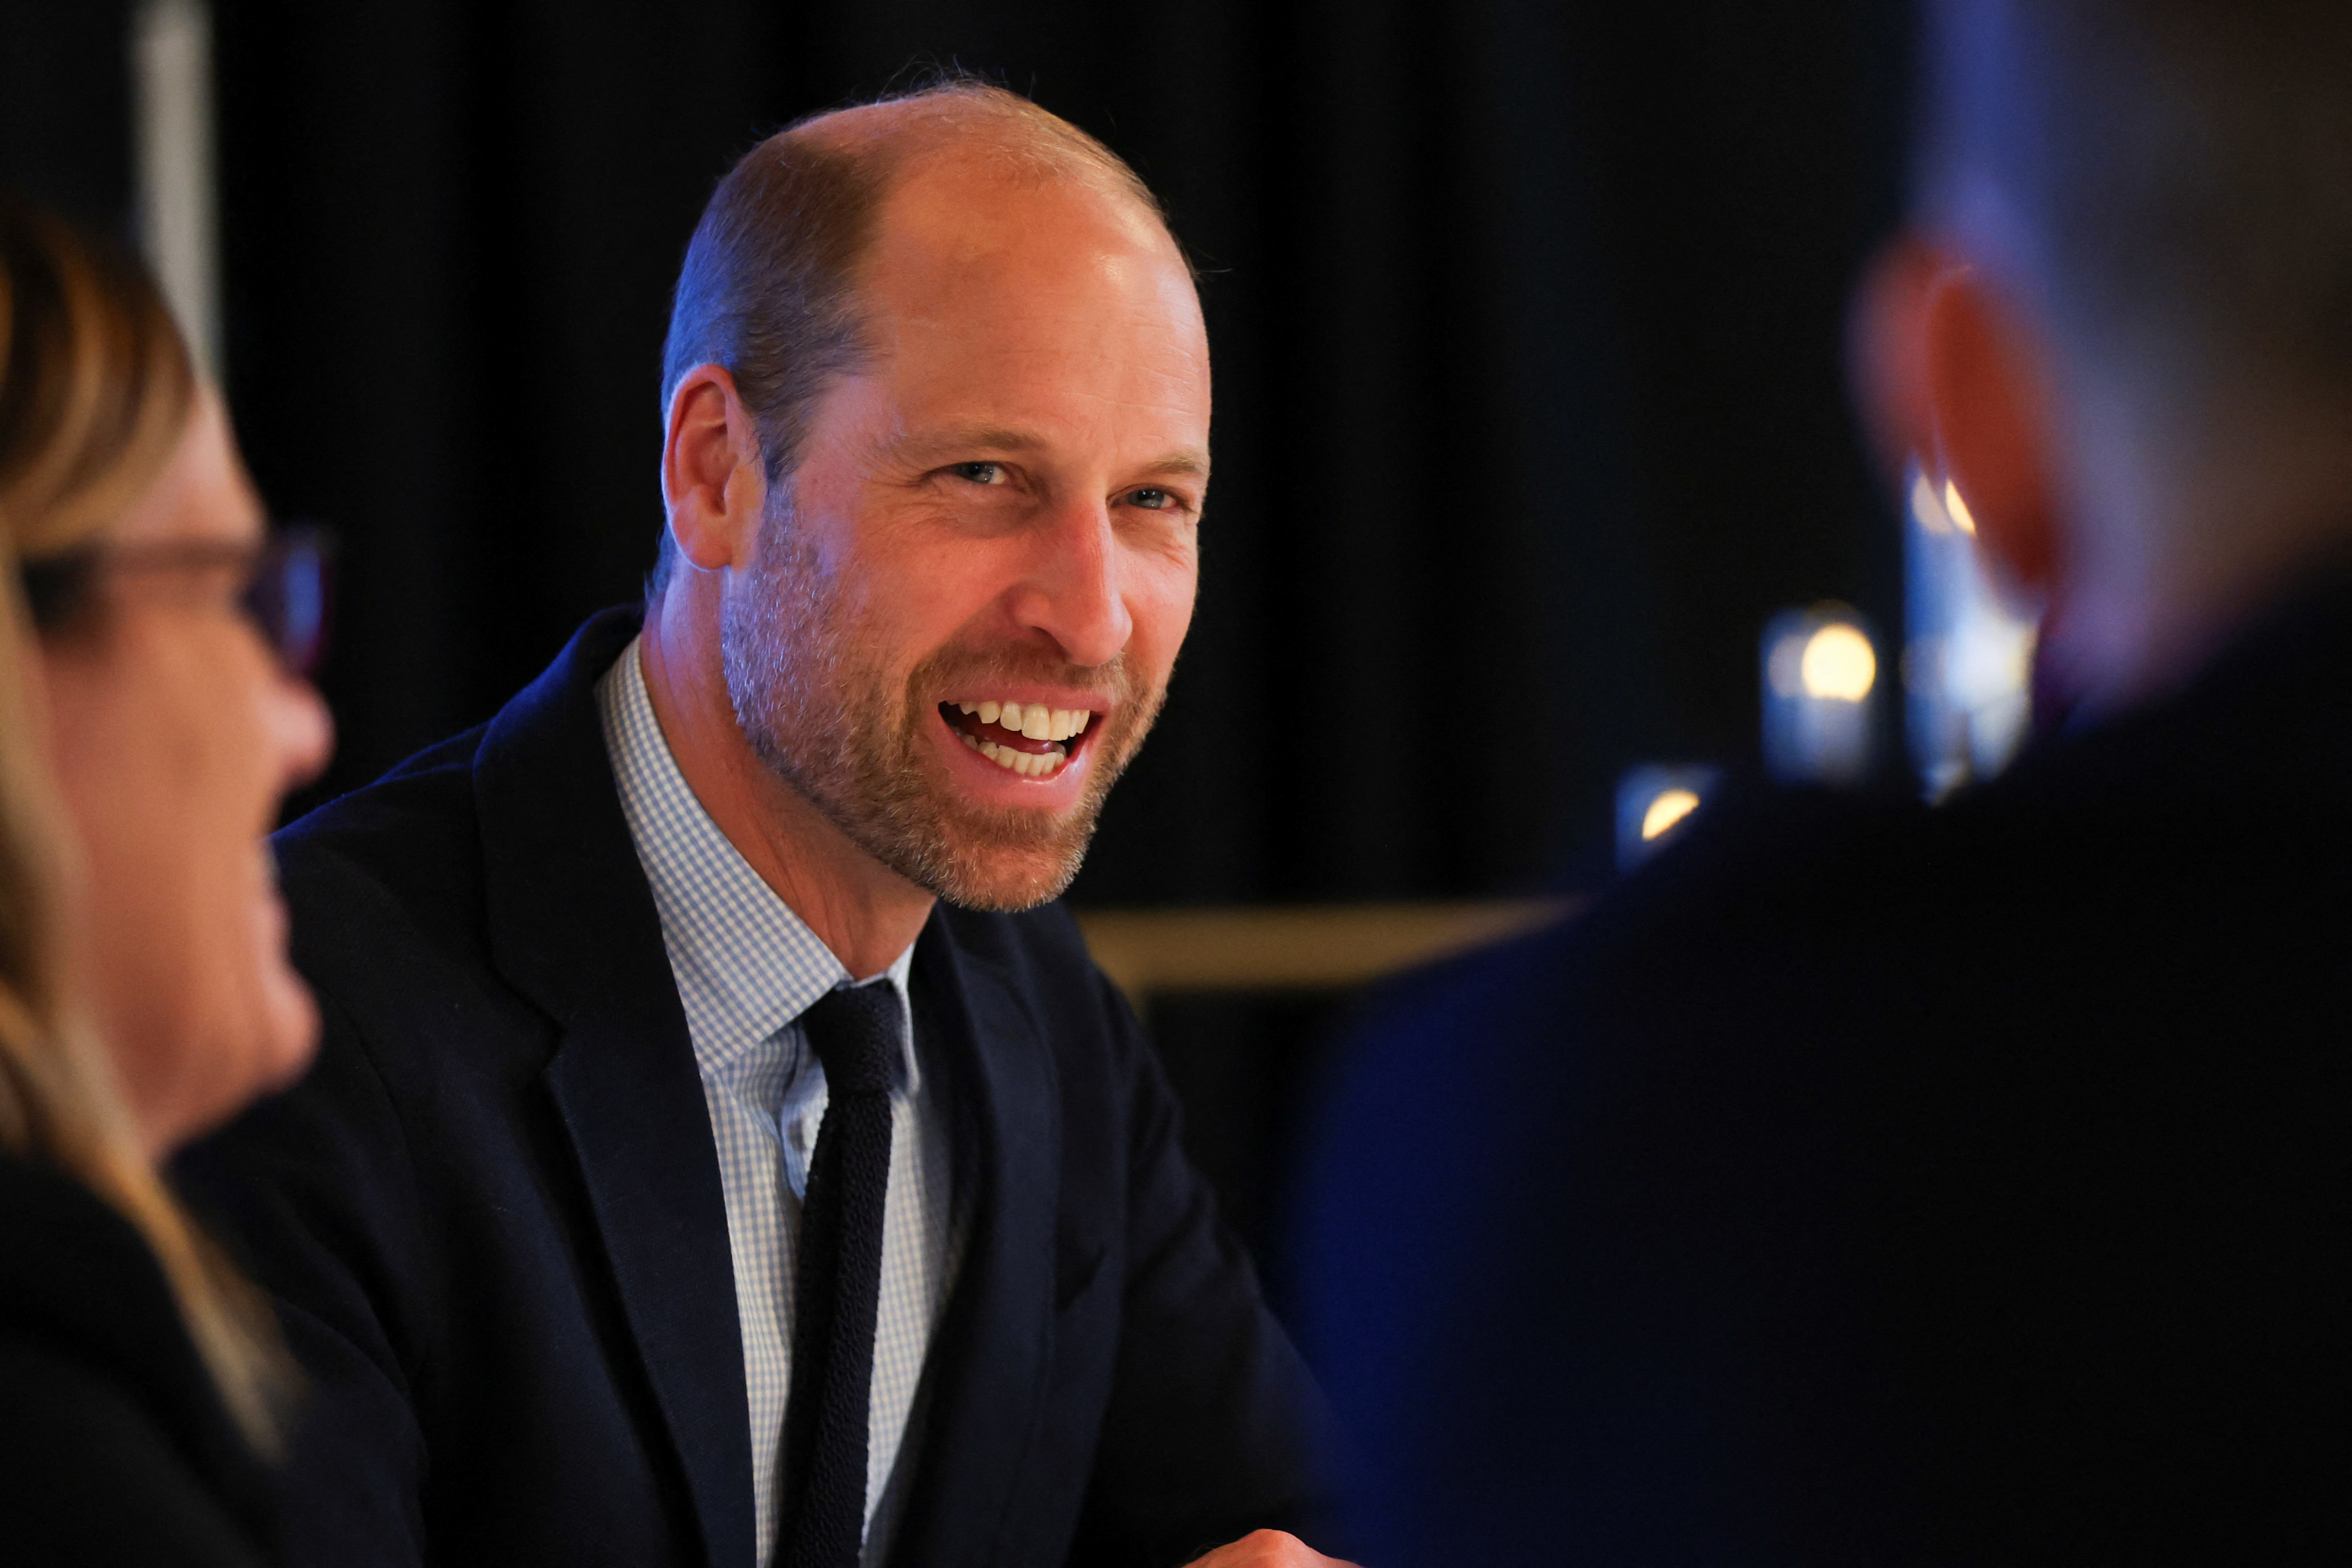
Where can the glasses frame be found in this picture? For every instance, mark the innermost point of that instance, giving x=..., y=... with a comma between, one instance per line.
x=287, y=590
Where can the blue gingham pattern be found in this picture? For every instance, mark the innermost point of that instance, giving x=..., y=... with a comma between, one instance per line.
x=747, y=967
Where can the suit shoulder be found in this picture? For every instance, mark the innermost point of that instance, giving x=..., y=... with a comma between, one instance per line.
x=1783, y=906
x=431, y=791
x=1767, y=874
x=400, y=854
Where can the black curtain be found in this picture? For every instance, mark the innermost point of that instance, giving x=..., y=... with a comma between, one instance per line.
x=1527, y=317
x=65, y=107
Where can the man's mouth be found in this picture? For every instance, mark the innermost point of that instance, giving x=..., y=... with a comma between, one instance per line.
x=1030, y=739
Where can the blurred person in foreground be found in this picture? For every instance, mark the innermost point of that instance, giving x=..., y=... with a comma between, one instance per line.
x=1965, y=1185
x=719, y=1153
x=147, y=733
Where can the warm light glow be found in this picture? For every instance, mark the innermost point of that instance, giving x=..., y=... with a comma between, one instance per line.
x=1927, y=508
x=1958, y=509
x=1839, y=664
x=1671, y=806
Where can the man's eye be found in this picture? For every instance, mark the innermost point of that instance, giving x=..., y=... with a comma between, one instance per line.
x=1150, y=500
x=979, y=473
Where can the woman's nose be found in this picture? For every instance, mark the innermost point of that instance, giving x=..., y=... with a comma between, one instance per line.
x=302, y=731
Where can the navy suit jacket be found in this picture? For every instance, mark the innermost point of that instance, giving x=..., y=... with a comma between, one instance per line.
x=1869, y=1184
x=491, y=1216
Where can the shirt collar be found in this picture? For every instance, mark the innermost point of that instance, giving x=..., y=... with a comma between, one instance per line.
x=746, y=964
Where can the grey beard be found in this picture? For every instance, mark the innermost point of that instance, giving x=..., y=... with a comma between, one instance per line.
x=824, y=720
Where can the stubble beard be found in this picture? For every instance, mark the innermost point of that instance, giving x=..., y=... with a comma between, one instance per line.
x=820, y=712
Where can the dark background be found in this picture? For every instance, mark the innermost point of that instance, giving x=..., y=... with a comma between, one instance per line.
x=1527, y=318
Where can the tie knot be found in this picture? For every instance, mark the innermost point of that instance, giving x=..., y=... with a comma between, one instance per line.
x=854, y=1030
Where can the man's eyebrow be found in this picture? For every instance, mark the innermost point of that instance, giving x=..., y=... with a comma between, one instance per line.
x=968, y=438
x=1188, y=463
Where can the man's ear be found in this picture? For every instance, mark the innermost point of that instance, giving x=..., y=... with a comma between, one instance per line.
x=1946, y=373
x=1989, y=401
x=1883, y=348
x=714, y=479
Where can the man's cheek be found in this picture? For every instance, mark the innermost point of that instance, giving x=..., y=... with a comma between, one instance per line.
x=1160, y=629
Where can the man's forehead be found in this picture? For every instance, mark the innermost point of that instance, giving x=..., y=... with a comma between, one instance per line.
x=962, y=209
x=1018, y=286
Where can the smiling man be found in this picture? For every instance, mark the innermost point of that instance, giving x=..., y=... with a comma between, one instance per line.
x=718, y=1155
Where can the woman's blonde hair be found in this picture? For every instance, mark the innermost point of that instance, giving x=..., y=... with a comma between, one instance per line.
x=95, y=390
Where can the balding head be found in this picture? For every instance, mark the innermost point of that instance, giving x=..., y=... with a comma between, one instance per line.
x=770, y=285
x=2170, y=174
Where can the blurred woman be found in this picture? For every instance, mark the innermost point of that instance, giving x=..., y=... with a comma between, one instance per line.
x=148, y=730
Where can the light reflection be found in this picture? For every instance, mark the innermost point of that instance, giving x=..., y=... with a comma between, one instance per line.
x=1926, y=507
x=1839, y=664
x=1654, y=803
x=1958, y=509
x=1969, y=661
x=1820, y=669
x=1666, y=810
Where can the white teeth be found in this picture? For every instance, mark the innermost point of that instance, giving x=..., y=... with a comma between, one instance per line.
x=969, y=740
x=1034, y=720
x=1028, y=764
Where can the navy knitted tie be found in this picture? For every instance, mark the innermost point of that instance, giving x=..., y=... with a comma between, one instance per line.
x=855, y=1032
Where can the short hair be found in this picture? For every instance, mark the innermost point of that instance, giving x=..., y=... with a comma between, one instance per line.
x=768, y=289
x=2183, y=170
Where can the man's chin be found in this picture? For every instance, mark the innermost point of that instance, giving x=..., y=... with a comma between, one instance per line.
x=999, y=867
x=1004, y=882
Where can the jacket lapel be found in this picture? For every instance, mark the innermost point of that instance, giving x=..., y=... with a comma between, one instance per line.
x=573, y=926
x=984, y=1379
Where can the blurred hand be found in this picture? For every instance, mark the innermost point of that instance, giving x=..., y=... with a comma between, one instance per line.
x=1268, y=1549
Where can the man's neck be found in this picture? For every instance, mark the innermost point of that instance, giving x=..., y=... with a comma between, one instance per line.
x=865, y=912
x=2184, y=540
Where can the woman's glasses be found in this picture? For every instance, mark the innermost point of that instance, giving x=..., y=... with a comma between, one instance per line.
x=284, y=591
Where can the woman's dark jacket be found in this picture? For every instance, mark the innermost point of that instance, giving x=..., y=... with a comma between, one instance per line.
x=115, y=1447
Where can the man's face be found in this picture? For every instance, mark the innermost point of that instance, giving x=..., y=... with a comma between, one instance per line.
x=963, y=607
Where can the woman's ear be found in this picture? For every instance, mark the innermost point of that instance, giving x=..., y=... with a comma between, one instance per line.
x=1988, y=400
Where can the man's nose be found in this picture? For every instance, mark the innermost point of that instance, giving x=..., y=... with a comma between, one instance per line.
x=1073, y=591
